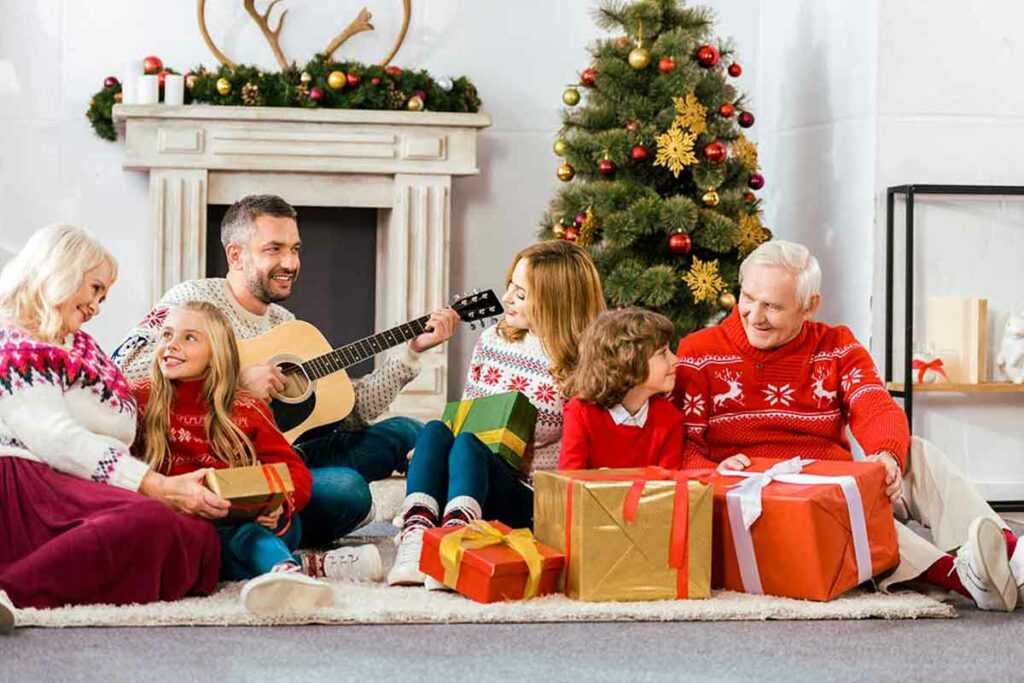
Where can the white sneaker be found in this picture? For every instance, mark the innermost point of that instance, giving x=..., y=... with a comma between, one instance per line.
x=279, y=591
x=984, y=569
x=1017, y=570
x=354, y=563
x=406, y=570
x=7, y=619
x=432, y=584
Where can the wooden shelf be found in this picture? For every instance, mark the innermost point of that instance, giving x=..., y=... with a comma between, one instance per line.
x=950, y=388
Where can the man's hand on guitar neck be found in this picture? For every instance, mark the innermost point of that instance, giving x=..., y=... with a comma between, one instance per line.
x=441, y=326
x=263, y=380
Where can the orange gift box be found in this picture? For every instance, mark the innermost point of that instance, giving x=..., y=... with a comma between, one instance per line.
x=824, y=527
x=490, y=562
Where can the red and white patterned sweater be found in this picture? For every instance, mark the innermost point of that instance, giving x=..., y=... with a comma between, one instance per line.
x=793, y=400
x=190, y=451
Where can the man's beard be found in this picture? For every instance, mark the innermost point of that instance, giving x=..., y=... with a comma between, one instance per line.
x=259, y=284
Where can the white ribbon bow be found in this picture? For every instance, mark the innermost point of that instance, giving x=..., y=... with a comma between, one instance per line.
x=744, y=505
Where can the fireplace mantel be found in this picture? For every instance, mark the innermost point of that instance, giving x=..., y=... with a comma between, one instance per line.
x=400, y=163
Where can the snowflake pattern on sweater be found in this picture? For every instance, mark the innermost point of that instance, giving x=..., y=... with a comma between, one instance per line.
x=794, y=400
x=374, y=393
x=498, y=366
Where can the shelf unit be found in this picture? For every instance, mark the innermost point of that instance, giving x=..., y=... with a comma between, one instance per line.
x=896, y=388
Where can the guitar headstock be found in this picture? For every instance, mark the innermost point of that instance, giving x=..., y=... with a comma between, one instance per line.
x=478, y=307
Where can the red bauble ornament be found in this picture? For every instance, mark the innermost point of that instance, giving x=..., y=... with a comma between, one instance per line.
x=580, y=217
x=606, y=167
x=570, y=234
x=707, y=56
x=152, y=65
x=587, y=77
x=745, y=119
x=632, y=126
x=716, y=152
x=680, y=243
x=422, y=95
x=316, y=94
x=749, y=196
x=394, y=70
x=375, y=80
x=735, y=70
x=110, y=82
x=639, y=153
x=352, y=79
x=756, y=181
x=726, y=110
x=666, y=65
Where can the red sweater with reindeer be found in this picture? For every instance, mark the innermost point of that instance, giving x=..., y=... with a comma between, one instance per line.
x=190, y=451
x=797, y=399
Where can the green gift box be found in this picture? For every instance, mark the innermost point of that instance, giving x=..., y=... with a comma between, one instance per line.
x=504, y=422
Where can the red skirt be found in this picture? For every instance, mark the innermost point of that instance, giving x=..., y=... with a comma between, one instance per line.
x=68, y=541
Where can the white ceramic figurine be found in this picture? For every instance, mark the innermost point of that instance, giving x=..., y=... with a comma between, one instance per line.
x=1011, y=351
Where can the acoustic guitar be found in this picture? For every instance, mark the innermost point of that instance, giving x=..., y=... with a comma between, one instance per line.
x=317, y=389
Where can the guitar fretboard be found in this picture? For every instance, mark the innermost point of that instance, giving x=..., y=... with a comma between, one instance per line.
x=350, y=354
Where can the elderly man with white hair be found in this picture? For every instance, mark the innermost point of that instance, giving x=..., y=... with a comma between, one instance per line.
x=771, y=382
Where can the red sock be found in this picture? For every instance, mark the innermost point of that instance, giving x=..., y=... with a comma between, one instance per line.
x=943, y=575
x=1011, y=542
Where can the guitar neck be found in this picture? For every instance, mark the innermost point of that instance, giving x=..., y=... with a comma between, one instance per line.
x=358, y=351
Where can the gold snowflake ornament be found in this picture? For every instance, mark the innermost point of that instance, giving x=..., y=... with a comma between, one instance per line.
x=745, y=151
x=690, y=113
x=703, y=280
x=675, y=149
x=752, y=234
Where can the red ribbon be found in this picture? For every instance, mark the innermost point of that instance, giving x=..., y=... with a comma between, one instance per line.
x=924, y=366
x=679, y=542
x=275, y=485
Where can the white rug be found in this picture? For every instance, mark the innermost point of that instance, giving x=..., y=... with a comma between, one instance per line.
x=378, y=604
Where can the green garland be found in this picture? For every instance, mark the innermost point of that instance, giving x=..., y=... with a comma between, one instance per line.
x=378, y=88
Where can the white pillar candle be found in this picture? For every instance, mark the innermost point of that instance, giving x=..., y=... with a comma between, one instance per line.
x=174, y=89
x=148, y=90
x=130, y=72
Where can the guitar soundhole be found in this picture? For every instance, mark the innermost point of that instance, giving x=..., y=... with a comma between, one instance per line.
x=296, y=383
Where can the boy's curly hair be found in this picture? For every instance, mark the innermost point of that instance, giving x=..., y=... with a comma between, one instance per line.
x=613, y=355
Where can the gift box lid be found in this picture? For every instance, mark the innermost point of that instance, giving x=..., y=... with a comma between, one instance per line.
x=244, y=482
x=498, y=559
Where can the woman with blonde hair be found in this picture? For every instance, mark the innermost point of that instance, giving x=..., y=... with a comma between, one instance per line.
x=69, y=487
x=552, y=293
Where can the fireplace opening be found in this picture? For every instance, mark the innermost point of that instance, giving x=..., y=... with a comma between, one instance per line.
x=336, y=287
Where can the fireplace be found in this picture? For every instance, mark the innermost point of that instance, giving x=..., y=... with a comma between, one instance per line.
x=397, y=166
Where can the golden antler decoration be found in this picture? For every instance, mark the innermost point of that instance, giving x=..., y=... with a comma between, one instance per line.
x=263, y=21
x=406, y=13
x=359, y=24
x=201, y=11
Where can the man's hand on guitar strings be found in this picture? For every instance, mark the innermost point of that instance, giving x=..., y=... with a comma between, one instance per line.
x=263, y=380
x=441, y=326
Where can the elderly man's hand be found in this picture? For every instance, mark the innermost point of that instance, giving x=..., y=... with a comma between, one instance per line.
x=893, y=474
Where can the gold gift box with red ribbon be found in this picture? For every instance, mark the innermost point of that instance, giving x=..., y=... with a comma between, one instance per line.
x=252, y=491
x=629, y=534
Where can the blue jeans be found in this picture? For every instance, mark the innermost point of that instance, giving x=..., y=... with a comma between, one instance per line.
x=342, y=464
x=248, y=549
x=446, y=466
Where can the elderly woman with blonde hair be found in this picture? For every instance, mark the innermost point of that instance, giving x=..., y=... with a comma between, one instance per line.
x=81, y=520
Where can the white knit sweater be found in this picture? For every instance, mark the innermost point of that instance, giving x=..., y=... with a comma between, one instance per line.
x=68, y=407
x=374, y=393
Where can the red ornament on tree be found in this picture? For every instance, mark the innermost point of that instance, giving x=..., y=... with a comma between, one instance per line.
x=735, y=70
x=707, y=56
x=745, y=119
x=749, y=196
x=639, y=153
x=666, y=65
x=756, y=181
x=152, y=65
x=352, y=79
x=726, y=110
x=375, y=80
x=632, y=125
x=394, y=70
x=580, y=217
x=716, y=152
x=570, y=234
x=606, y=167
x=316, y=94
x=110, y=82
x=680, y=243
x=587, y=77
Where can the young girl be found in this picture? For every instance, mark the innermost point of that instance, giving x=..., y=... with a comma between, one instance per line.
x=192, y=417
x=552, y=294
x=619, y=416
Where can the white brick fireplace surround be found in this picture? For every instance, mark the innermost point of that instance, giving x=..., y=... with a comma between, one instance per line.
x=400, y=163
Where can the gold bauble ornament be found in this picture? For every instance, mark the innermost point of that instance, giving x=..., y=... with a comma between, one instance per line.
x=223, y=86
x=711, y=198
x=571, y=97
x=726, y=301
x=190, y=81
x=414, y=104
x=336, y=80
x=306, y=77
x=558, y=230
x=561, y=146
x=565, y=171
x=639, y=58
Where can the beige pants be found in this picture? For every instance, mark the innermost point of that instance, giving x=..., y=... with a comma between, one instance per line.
x=937, y=496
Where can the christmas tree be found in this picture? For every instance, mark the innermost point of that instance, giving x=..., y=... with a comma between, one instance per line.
x=659, y=176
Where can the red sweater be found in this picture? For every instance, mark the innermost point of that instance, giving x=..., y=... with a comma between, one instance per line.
x=591, y=439
x=190, y=451
x=797, y=399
